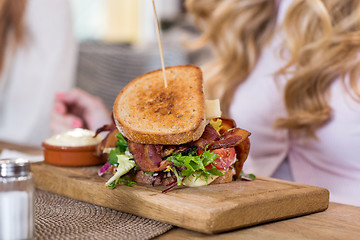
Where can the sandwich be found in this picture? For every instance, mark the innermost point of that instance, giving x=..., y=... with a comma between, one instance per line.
x=171, y=136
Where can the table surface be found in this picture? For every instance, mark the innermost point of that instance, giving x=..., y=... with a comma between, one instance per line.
x=339, y=221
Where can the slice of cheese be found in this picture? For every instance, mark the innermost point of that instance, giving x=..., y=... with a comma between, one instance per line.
x=191, y=182
x=212, y=108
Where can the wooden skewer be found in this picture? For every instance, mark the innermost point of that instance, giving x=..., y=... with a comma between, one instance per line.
x=160, y=45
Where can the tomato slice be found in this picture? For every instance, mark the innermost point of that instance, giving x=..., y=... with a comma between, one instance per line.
x=225, y=160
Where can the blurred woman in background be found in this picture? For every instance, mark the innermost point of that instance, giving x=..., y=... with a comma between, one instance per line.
x=288, y=71
x=37, y=59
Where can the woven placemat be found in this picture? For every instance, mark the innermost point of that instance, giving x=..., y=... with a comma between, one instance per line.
x=59, y=217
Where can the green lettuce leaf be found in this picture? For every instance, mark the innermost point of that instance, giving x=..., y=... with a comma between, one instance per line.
x=194, y=165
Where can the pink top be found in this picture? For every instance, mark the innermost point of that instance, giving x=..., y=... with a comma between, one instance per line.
x=332, y=161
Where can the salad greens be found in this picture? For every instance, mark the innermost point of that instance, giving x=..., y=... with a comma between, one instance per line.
x=121, y=180
x=123, y=160
x=194, y=165
x=121, y=149
x=248, y=176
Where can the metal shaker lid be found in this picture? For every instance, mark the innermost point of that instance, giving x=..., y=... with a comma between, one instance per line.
x=14, y=167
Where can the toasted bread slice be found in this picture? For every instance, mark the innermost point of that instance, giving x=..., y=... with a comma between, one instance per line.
x=146, y=112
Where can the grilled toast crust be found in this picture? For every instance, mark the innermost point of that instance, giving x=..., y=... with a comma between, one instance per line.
x=146, y=112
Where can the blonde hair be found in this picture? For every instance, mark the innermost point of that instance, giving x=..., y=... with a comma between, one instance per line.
x=237, y=41
x=11, y=22
x=323, y=38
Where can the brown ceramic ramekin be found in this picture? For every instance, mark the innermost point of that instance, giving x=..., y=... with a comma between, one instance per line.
x=71, y=156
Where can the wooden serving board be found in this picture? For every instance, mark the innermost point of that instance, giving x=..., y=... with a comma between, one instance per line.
x=210, y=209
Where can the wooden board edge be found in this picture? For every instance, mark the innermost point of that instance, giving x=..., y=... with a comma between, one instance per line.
x=316, y=200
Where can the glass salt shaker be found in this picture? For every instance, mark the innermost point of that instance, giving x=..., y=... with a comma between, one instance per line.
x=16, y=199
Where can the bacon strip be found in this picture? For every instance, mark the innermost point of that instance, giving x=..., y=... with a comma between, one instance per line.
x=104, y=128
x=242, y=151
x=148, y=157
x=108, y=142
x=210, y=135
x=230, y=138
x=227, y=124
